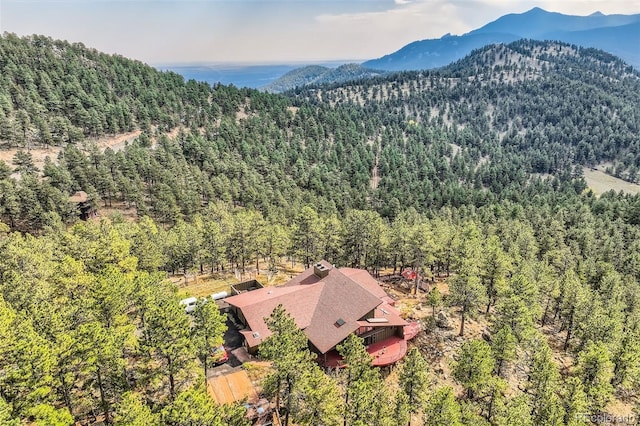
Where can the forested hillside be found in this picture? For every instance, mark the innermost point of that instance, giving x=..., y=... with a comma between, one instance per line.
x=468, y=173
x=534, y=107
x=53, y=92
x=317, y=75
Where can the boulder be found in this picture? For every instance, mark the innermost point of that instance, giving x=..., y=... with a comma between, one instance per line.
x=443, y=321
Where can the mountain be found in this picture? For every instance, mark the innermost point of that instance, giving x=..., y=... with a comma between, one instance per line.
x=428, y=54
x=622, y=41
x=316, y=74
x=382, y=143
x=71, y=92
x=538, y=23
x=616, y=34
x=525, y=107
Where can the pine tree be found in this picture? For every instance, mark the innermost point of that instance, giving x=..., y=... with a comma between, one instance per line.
x=401, y=408
x=466, y=289
x=627, y=360
x=434, y=299
x=5, y=414
x=413, y=379
x=48, y=415
x=361, y=382
x=494, y=268
x=516, y=411
x=442, y=409
x=208, y=330
x=474, y=366
x=168, y=342
x=575, y=402
x=287, y=349
x=503, y=348
x=131, y=411
x=542, y=385
x=317, y=399
x=595, y=369
x=192, y=407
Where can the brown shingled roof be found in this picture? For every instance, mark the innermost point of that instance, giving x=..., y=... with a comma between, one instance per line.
x=364, y=278
x=326, y=309
x=79, y=197
x=257, y=305
x=342, y=298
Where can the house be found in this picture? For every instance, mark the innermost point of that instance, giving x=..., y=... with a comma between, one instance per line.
x=83, y=205
x=328, y=304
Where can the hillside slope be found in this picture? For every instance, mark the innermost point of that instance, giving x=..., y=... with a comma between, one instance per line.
x=53, y=92
x=477, y=132
x=527, y=107
x=317, y=75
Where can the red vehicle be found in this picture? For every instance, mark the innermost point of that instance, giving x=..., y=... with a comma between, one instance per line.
x=219, y=355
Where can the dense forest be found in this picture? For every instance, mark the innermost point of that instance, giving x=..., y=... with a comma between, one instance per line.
x=470, y=172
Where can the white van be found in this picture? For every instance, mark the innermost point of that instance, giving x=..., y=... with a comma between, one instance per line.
x=189, y=304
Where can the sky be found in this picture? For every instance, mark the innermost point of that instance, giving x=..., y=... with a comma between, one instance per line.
x=160, y=32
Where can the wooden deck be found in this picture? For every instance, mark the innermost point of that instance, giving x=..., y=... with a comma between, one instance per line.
x=387, y=352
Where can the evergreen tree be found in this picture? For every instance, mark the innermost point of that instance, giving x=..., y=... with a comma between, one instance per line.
x=5, y=414
x=466, y=289
x=287, y=349
x=474, y=366
x=434, y=299
x=317, y=399
x=575, y=402
x=542, y=385
x=361, y=382
x=192, y=407
x=503, y=348
x=168, y=342
x=413, y=380
x=208, y=330
x=442, y=409
x=595, y=370
x=131, y=411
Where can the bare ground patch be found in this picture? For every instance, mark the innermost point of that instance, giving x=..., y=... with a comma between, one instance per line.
x=600, y=182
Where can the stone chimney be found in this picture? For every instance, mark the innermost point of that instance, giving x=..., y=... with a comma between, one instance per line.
x=320, y=270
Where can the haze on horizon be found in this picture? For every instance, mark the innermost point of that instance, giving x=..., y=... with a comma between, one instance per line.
x=266, y=31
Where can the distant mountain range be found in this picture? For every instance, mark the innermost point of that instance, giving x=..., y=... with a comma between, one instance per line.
x=616, y=34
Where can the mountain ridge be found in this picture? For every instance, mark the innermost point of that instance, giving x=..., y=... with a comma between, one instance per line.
x=316, y=74
x=617, y=34
x=536, y=23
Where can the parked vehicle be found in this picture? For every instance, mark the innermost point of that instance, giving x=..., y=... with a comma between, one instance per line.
x=219, y=355
x=220, y=295
x=189, y=304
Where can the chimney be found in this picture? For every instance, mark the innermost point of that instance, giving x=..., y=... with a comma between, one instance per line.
x=320, y=270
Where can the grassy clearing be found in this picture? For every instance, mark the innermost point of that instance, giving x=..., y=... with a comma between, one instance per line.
x=600, y=182
x=203, y=285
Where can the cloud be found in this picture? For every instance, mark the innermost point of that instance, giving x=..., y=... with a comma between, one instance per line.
x=401, y=2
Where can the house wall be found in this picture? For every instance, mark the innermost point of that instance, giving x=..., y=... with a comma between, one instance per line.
x=379, y=334
x=369, y=314
x=238, y=313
